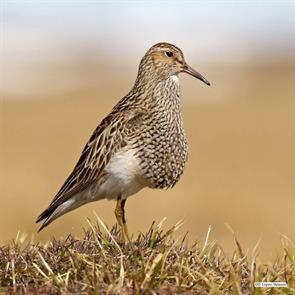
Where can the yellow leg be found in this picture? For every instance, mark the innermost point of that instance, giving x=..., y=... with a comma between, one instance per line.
x=120, y=215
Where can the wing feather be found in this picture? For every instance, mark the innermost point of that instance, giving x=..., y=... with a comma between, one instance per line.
x=92, y=160
x=110, y=136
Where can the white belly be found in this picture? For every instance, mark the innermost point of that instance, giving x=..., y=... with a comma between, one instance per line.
x=123, y=180
x=123, y=177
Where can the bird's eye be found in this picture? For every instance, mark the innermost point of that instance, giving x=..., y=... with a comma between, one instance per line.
x=169, y=53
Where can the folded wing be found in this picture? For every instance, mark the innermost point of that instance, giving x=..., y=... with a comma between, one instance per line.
x=110, y=136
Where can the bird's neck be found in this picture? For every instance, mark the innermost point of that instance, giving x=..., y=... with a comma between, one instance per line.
x=163, y=93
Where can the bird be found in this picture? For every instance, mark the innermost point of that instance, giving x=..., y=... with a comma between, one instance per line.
x=140, y=143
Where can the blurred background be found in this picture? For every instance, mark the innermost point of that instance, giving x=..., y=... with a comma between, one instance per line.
x=63, y=66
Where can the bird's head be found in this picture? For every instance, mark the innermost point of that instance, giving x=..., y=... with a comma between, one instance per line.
x=165, y=60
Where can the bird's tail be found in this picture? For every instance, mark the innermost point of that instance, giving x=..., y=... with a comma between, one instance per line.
x=57, y=209
x=47, y=216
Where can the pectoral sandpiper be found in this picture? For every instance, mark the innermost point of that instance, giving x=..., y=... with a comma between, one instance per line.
x=141, y=143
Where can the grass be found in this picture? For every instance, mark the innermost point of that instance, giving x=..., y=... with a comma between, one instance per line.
x=154, y=263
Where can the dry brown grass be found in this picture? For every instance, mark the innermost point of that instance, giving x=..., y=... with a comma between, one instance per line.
x=154, y=263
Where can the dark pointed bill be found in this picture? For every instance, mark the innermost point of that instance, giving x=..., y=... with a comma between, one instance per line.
x=194, y=73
